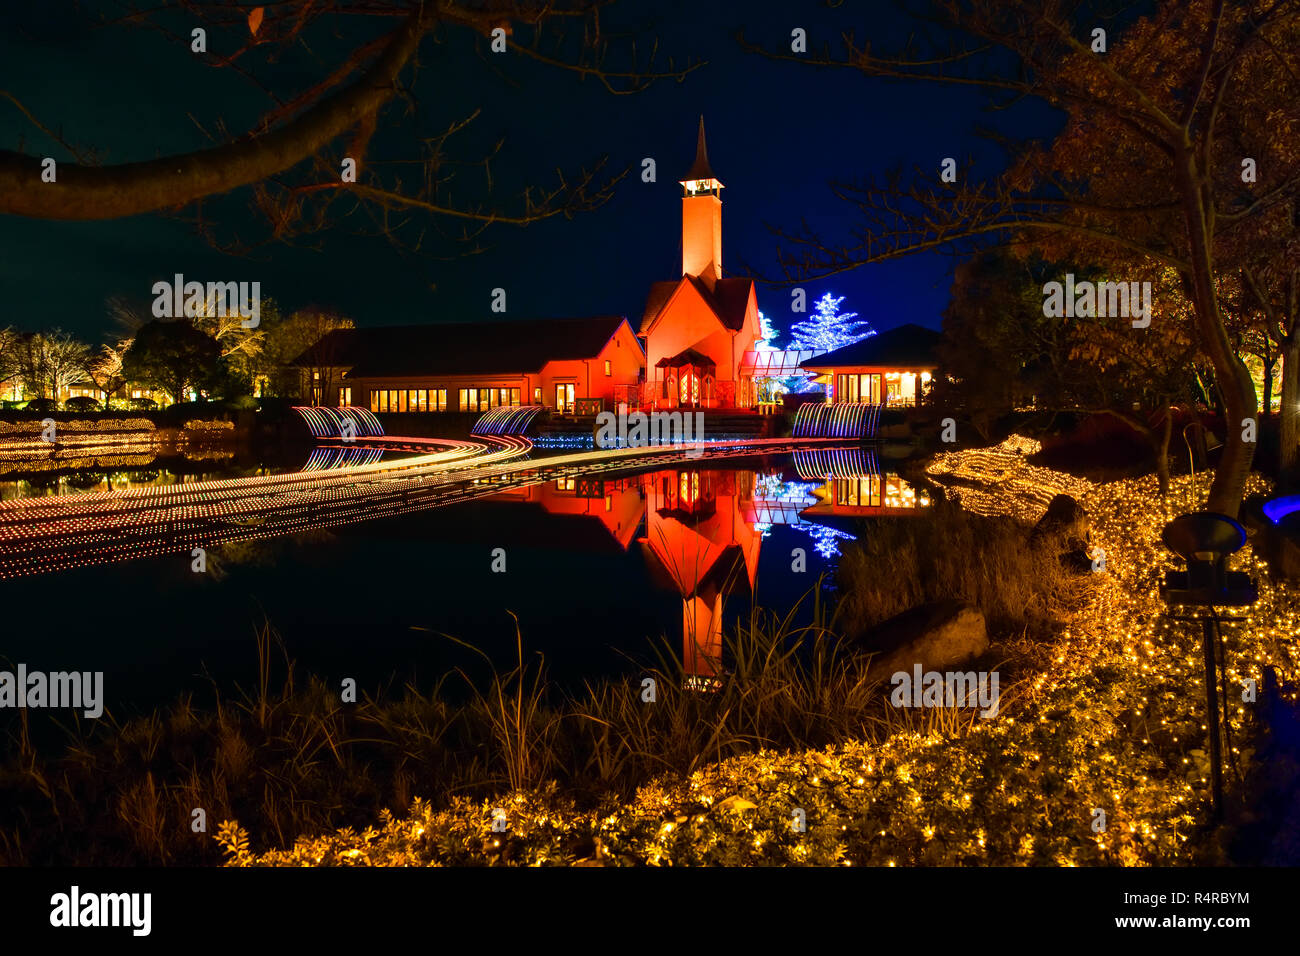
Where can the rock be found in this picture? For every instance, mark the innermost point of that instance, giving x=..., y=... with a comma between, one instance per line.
x=936, y=636
x=1064, y=518
x=1066, y=523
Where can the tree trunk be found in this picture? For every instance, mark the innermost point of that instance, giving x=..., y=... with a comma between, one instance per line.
x=1162, y=450
x=1266, y=407
x=1290, y=415
x=1230, y=373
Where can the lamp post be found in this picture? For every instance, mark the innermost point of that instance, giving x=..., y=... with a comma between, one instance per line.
x=1204, y=540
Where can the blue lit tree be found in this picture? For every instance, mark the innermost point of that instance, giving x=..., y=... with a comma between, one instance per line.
x=769, y=388
x=767, y=341
x=828, y=328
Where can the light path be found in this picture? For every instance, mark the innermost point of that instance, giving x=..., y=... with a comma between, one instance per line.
x=40, y=535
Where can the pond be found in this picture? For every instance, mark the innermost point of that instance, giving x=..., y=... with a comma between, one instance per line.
x=595, y=572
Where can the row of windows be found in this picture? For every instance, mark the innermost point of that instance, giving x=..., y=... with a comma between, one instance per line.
x=861, y=388
x=481, y=399
x=469, y=399
x=409, y=400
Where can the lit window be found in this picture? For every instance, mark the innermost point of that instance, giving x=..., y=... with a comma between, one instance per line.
x=689, y=487
x=609, y=367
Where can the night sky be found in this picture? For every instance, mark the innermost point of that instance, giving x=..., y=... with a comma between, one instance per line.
x=778, y=133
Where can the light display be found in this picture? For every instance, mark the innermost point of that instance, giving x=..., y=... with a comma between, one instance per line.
x=326, y=422
x=506, y=420
x=842, y=420
x=38, y=535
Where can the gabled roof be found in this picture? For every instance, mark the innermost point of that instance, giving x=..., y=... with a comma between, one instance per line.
x=462, y=348
x=909, y=346
x=684, y=358
x=728, y=299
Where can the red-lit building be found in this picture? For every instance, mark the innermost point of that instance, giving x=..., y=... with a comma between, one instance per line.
x=570, y=365
x=698, y=328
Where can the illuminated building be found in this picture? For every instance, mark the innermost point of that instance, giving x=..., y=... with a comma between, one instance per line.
x=698, y=328
x=891, y=368
x=570, y=365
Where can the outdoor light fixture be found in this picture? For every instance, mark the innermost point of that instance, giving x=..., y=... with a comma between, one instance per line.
x=1205, y=539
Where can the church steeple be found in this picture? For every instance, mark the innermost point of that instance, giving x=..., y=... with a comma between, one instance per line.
x=701, y=218
x=700, y=177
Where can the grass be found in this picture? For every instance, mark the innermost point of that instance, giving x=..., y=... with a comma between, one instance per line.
x=289, y=760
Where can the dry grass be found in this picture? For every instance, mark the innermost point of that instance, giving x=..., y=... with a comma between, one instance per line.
x=951, y=553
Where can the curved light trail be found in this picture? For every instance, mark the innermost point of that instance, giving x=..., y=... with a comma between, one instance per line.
x=39, y=535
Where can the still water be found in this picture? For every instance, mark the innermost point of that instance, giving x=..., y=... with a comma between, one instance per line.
x=597, y=573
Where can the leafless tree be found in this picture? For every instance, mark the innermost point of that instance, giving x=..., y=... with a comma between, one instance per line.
x=1140, y=170
x=292, y=159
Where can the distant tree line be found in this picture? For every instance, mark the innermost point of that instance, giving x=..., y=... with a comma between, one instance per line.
x=210, y=356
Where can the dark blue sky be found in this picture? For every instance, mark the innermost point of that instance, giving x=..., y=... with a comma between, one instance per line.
x=778, y=133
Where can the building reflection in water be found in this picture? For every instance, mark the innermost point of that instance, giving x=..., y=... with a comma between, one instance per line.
x=700, y=530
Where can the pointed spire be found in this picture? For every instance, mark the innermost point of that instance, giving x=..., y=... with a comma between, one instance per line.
x=700, y=169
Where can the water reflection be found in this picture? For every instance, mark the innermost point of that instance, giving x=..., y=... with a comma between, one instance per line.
x=700, y=530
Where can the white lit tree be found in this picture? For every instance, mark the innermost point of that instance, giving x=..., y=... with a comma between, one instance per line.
x=767, y=341
x=769, y=388
x=828, y=328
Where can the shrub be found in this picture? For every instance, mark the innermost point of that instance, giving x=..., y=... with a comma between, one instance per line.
x=82, y=403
